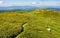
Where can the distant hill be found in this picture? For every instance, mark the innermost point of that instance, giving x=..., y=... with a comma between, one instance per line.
x=26, y=8
x=55, y=9
x=18, y=8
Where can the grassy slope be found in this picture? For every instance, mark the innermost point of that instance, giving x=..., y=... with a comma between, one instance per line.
x=30, y=25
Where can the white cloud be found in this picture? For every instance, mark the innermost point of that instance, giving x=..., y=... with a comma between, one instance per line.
x=34, y=3
x=31, y=4
x=1, y=2
x=48, y=4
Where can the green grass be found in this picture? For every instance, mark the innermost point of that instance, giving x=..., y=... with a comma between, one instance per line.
x=30, y=25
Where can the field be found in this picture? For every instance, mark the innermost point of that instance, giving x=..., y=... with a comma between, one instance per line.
x=35, y=24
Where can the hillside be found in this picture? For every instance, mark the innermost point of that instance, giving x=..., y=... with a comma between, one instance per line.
x=36, y=24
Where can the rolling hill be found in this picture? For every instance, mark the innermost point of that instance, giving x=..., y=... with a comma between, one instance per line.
x=35, y=24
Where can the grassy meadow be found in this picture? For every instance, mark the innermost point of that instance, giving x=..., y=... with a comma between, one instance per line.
x=35, y=24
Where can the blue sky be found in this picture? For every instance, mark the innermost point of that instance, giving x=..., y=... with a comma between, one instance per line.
x=29, y=2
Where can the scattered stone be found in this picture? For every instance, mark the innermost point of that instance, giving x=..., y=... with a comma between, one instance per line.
x=49, y=29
